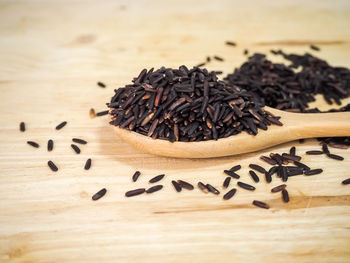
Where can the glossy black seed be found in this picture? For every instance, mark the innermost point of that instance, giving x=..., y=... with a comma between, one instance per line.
x=289, y=157
x=335, y=157
x=203, y=187
x=246, y=186
x=75, y=148
x=185, y=185
x=49, y=145
x=218, y=58
x=268, y=160
x=301, y=165
x=22, y=127
x=102, y=113
x=325, y=148
x=136, y=176
x=278, y=188
x=313, y=172
x=230, y=194
x=99, y=194
x=260, y=204
x=254, y=176
x=292, y=150
x=285, y=196
x=226, y=182
x=52, y=166
x=314, y=152
x=346, y=181
x=34, y=144
x=157, y=178
x=212, y=189
x=101, y=84
x=232, y=174
x=135, y=192
x=235, y=168
x=177, y=186
x=61, y=125
x=87, y=164
x=154, y=189
x=257, y=168
x=268, y=177
x=77, y=140
x=313, y=47
x=230, y=43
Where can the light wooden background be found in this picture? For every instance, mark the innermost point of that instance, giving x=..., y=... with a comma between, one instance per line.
x=53, y=53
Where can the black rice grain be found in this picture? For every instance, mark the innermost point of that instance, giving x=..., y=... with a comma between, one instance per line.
x=136, y=176
x=218, y=58
x=335, y=157
x=49, y=145
x=154, y=189
x=226, y=182
x=260, y=204
x=99, y=194
x=22, y=127
x=292, y=150
x=212, y=189
x=268, y=177
x=246, y=186
x=101, y=84
x=61, y=125
x=268, y=160
x=289, y=157
x=313, y=172
x=301, y=165
x=230, y=43
x=232, y=174
x=177, y=186
x=77, y=140
x=87, y=164
x=346, y=181
x=285, y=196
x=52, y=166
x=325, y=148
x=135, y=192
x=230, y=194
x=235, y=168
x=202, y=187
x=257, y=168
x=278, y=188
x=156, y=178
x=314, y=152
x=34, y=144
x=313, y=47
x=102, y=113
x=185, y=185
x=254, y=176
x=75, y=148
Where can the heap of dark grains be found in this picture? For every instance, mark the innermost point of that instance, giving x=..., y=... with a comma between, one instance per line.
x=282, y=87
x=186, y=105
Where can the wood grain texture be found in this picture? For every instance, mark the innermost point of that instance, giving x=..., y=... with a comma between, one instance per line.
x=52, y=55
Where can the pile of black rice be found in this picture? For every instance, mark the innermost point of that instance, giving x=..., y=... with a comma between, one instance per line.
x=187, y=105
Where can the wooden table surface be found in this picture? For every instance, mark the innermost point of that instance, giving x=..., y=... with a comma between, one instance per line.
x=52, y=55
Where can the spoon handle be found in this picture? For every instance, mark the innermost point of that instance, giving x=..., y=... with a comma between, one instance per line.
x=309, y=125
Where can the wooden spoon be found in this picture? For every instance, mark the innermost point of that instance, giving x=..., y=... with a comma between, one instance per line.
x=295, y=126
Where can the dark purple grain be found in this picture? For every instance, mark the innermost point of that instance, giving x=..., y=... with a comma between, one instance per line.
x=154, y=189
x=22, y=127
x=177, y=186
x=202, y=187
x=135, y=192
x=75, y=148
x=313, y=172
x=102, y=113
x=278, y=188
x=185, y=185
x=260, y=204
x=230, y=194
x=61, y=125
x=49, y=145
x=246, y=186
x=335, y=157
x=77, y=140
x=136, y=176
x=52, y=166
x=99, y=194
x=285, y=196
x=87, y=164
x=212, y=189
x=156, y=178
x=254, y=176
x=314, y=152
x=101, y=84
x=346, y=181
x=257, y=168
x=226, y=182
x=33, y=144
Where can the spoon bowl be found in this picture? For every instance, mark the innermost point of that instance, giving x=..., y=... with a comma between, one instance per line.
x=295, y=126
